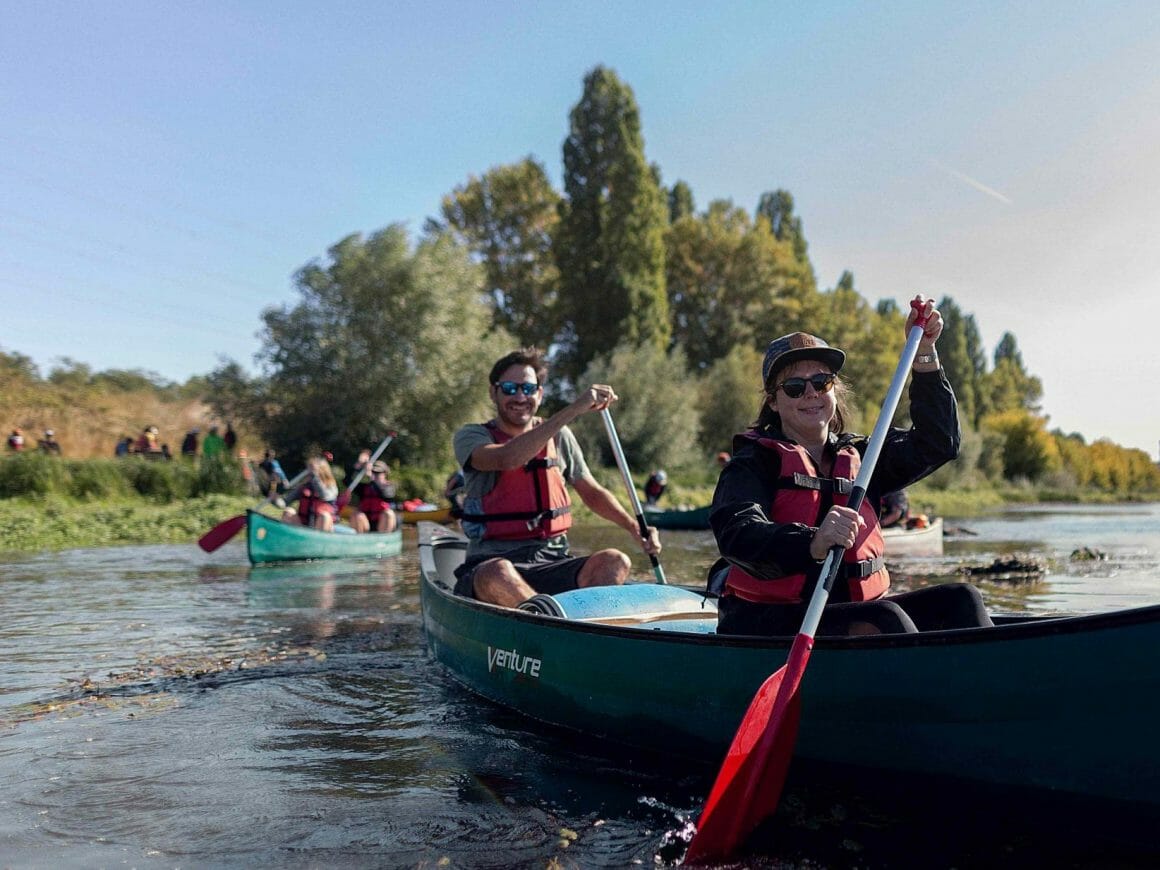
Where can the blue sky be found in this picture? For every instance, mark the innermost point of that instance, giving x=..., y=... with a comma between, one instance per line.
x=166, y=168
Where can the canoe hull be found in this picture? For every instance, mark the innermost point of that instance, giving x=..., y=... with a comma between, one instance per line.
x=438, y=515
x=692, y=520
x=1059, y=704
x=268, y=540
x=915, y=542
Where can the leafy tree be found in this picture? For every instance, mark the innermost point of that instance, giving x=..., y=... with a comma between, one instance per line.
x=955, y=355
x=978, y=365
x=872, y=344
x=1009, y=386
x=786, y=226
x=680, y=202
x=378, y=341
x=1028, y=450
x=18, y=366
x=653, y=417
x=1074, y=457
x=729, y=398
x=507, y=218
x=610, y=248
x=727, y=282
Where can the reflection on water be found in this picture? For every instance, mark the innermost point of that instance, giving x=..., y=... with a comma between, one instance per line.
x=159, y=706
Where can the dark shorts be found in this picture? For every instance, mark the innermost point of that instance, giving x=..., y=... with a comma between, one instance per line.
x=544, y=570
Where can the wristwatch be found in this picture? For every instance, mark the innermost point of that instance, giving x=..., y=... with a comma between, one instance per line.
x=925, y=359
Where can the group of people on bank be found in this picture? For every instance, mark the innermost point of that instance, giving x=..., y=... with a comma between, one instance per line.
x=779, y=507
x=48, y=444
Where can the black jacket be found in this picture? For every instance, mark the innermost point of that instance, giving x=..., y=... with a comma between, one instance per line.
x=745, y=535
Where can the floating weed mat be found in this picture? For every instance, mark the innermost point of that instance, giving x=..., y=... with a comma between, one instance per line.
x=158, y=685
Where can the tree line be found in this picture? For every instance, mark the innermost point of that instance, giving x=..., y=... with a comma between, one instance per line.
x=624, y=280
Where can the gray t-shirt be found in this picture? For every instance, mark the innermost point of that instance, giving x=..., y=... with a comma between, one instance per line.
x=477, y=484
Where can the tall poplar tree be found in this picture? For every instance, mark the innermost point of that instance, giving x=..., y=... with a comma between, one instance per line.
x=508, y=218
x=954, y=352
x=610, y=247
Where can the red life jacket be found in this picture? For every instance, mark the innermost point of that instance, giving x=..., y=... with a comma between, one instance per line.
x=527, y=503
x=311, y=505
x=804, y=497
x=371, y=501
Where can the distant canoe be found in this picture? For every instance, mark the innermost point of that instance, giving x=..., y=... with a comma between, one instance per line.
x=678, y=518
x=899, y=542
x=433, y=515
x=269, y=540
x=915, y=542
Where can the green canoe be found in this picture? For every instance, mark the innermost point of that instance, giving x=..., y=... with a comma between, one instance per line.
x=678, y=518
x=268, y=540
x=1065, y=705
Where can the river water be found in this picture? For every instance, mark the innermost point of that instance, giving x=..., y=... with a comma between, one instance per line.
x=161, y=707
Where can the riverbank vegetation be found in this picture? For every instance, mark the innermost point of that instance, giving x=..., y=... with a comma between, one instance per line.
x=625, y=280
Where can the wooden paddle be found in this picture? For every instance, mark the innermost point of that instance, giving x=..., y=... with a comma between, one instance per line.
x=226, y=529
x=344, y=498
x=749, y=783
x=614, y=440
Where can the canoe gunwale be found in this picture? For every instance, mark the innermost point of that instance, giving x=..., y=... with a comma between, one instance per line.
x=1011, y=628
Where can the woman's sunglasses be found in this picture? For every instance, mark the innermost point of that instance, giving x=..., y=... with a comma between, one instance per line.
x=795, y=388
x=510, y=388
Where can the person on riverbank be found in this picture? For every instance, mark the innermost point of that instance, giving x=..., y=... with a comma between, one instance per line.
x=189, y=443
x=213, y=444
x=317, y=498
x=780, y=502
x=147, y=442
x=517, y=511
x=48, y=444
x=375, y=495
x=15, y=441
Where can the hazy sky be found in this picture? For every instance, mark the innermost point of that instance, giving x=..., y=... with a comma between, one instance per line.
x=166, y=168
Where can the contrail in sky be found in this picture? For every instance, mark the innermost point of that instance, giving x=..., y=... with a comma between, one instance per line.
x=977, y=185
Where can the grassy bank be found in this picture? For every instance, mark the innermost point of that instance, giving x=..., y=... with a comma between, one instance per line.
x=59, y=520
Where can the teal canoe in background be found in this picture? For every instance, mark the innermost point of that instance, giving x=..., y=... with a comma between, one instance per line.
x=1063, y=705
x=690, y=519
x=269, y=540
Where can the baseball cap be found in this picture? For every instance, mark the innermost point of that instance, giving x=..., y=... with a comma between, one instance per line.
x=795, y=347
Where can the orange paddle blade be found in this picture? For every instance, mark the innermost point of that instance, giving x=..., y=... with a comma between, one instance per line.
x=221, y=533
x=749, y=784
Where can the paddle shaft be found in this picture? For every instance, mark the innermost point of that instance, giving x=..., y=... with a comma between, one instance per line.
x=727, y=820
x=622, y=463
x=869, y=461
x=226, y=529
x=298, y=478
x=378, y=452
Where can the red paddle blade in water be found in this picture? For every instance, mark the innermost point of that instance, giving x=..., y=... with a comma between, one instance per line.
x=221, y=533
x=749, y=784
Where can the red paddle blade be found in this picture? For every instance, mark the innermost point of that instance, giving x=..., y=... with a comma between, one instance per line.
x=343, y=500
x=221, y=533
x=750, y=781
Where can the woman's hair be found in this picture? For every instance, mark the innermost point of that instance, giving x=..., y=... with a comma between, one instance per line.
x=767, y=417
x=322, y=470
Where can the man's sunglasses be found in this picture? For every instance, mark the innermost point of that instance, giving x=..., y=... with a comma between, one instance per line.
x=795, y=388
x=510, y=388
